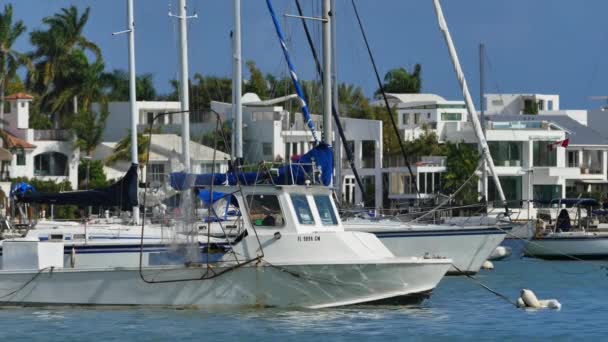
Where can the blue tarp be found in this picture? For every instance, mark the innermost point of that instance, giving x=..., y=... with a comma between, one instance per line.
x=321, y=155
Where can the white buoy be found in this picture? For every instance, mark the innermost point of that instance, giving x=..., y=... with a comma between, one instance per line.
x=501, y=252
x=528, y=299
x=487, y=265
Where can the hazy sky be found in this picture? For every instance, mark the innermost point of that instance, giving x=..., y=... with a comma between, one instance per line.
x=540, y=46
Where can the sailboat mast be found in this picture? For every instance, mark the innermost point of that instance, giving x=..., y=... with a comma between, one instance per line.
x=336, y=104
x=443, y=26
x=237, y=108
x=482, y=89
x=326, y=28
x=132, y=93
x=185, y=96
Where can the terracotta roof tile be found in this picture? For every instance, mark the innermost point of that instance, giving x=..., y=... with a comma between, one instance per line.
x=12, y=141
x=19, y=96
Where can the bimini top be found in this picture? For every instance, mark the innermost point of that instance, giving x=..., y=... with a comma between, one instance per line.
x=121, y=194
x=296, y=173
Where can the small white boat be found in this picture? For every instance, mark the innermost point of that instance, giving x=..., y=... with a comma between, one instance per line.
x=583, y=237
x=294, y=252
x=467, y=246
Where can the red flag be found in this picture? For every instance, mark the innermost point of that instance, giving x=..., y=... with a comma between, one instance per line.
x=566, y=142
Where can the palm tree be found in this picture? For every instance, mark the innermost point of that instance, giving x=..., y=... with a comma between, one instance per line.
x=122, y=150
x=10, y=60
x=59, y=54
x=116, y=86
x=88, y=127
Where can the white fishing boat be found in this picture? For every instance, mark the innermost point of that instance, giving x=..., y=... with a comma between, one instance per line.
x=467, y=246
x=582, y=237
x=294, y=252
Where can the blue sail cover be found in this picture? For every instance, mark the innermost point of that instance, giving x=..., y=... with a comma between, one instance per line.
x=121, y=194
x=321, y=155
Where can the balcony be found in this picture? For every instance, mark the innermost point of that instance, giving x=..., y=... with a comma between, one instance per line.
x=52, y=135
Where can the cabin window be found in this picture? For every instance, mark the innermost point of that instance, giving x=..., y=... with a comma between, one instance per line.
x=265, y=211
x=303, y=212
x=326, y=210
x=56, y=237
x=78, y=237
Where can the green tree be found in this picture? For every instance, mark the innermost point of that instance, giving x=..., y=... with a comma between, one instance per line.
x=257, y=83
x=116, y=86
x=353, y=102
x=97, y=177
x=399, y=80
x=122, y=150
x=462, y=161
x=60, y=61
x=10, y=60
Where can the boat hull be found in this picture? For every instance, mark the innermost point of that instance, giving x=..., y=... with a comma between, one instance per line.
x=468, y=247
x=259, y=284
x=588, y=246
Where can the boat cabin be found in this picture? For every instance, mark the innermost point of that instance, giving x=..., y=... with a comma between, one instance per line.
x=286, y=208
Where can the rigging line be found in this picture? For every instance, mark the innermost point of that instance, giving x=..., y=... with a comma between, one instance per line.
x=496, y=85
x=293, y=74
x=203, y=276
x=334, y=111
x=486, y=287
x=51, y=268
x=450, y=197
x=388, y=107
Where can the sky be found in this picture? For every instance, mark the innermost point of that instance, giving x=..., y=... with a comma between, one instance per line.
x=540, y=46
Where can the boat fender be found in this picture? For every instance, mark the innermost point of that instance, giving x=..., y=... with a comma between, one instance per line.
x=487, y=265
x=520, y=303
x=501, y=252
x=73, y=258
x=529, y=300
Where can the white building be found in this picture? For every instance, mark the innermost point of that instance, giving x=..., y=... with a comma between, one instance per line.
x=43, y=154
x=119, y=118
x=528, y=161
x=165, y=157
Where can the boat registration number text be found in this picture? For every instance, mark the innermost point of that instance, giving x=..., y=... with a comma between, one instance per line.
x=309, y=238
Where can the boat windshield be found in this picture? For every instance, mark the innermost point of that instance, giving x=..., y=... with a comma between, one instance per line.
x=300, y=205
x=265, y=211
x=326, y=210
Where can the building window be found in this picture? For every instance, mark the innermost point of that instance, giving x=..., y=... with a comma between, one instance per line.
x=20, y=157
x=544, y=153
x=416, y=118
x=451, y=116
x=428, y=115
x=265, y=211
x=422, y=182
x=546, y=193
x=156, y=173
x=511, y=186
x=406, y=118
x=50, y=164
x=573, y=159
x=149, y=118
x=506, y=153
x=267, y=149
x=368, y=148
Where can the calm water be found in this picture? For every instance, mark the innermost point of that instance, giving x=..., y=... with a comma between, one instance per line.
x=458, y=310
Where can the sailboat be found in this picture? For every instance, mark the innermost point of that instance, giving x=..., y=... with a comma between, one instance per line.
x=468, y=245
x=292, y=251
